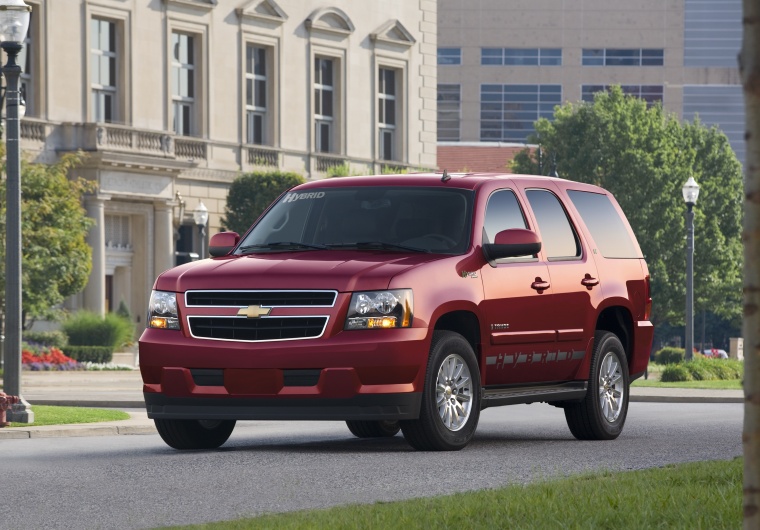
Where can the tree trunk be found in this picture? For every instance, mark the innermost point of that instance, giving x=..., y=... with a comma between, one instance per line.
x=749, y=67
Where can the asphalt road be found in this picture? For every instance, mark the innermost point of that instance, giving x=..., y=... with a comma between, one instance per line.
x=125, y=482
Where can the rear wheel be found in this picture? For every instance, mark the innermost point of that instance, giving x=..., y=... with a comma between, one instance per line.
x=373, y=429
x=450, y=406
x=194, y=434
x=601, y=415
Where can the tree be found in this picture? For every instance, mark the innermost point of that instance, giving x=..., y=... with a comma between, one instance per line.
x=56, y=260
x=644, y=156
x=251, y=194
x=749, y=68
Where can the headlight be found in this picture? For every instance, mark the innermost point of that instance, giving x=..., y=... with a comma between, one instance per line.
x=162, y=310
x=380, y=310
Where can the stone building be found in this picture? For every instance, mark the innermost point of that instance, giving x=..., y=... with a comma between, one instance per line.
x=172, y=99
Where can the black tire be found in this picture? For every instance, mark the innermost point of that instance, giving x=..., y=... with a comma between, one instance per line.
x=373, y=429
x=600, y=416
x=194, y=434
x=430, y=431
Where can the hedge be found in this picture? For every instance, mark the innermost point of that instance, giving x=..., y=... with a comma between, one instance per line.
x=703, y=369
x=91, y=354
x=669, y=355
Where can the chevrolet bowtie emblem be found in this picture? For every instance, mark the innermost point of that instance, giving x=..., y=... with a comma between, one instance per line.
x=254, y=311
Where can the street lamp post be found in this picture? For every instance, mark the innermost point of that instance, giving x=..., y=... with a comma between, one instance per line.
x=14, y=23
x=200, y=216
x=690, y=193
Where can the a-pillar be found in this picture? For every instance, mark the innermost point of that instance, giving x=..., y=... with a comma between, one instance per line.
x=163, y=249
x=95, y=291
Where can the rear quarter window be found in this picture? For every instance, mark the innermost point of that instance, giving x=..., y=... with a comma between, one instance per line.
x=603, y=221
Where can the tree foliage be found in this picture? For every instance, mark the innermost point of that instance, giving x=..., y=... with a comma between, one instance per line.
x=644, y=156
x=250, y=194
x=56, y=259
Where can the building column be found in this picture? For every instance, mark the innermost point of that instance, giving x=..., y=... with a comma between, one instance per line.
x=95, y=291
x=163, y=237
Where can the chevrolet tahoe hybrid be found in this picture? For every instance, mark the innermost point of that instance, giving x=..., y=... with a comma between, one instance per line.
x=404, y=302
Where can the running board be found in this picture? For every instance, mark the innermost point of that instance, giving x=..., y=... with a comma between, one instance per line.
x=514, y=395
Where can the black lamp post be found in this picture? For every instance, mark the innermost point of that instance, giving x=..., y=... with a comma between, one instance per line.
x=690, y=193
x=14, y=23
x=200, y=216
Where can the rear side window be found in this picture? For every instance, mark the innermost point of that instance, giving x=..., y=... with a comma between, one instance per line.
x=603, y=221
x=558, y=239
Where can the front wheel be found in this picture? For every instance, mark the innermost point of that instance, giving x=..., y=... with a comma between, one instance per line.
x=601, y=415
x=194, y=434
x=450, y=406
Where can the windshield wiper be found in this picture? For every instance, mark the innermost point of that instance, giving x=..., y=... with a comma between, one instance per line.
x=378, y=245
x=282, y=245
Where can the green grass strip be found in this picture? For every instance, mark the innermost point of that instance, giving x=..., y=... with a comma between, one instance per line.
x=702, y=495
x=49, y=415
x=720, y=384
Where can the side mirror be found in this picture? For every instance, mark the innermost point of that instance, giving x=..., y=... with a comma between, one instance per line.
x=512, y=243
x=222, y=243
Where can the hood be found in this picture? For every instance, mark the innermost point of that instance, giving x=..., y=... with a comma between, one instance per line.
x=339, y=270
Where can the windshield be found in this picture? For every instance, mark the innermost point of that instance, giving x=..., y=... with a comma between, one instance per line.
x=400, y=219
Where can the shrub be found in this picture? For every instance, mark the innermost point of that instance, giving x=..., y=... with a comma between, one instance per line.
x=716, y=368
x=340, y=170
x=90, y=354
x=674, y=373
x=669, y=355
x=46, y=339
x=88, y=329
x=699, y=371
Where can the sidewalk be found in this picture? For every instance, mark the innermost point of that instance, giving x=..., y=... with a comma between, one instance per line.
x=123, y=390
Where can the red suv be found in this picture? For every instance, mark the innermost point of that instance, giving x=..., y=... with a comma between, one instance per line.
x=406, y=302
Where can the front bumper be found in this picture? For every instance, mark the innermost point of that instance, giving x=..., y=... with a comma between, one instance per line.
x=368, y=375
x=359, y=407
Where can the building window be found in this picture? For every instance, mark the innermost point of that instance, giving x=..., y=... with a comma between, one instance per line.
x=103, y=70
x=449, y=56
x=256, y=94
x=508, y=112
x=650, y=93
x=521, y=56
x=24, y=59
x=183, y=83
x=324, y=108
x=623, y=57
x=117, y=230
x=449, y=112
x=712, y=33
x=387, y=113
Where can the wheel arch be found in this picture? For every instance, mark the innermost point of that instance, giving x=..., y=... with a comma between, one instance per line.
x=619, y=321
x=464, y=322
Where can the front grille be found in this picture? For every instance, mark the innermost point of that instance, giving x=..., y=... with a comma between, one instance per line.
x=259, y=329
x=262, y=298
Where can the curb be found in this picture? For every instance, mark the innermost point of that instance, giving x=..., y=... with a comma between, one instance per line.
x=66, y=431
x=686, y=399
x=91, y=403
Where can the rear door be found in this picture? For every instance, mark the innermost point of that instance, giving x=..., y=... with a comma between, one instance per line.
x=575, y=291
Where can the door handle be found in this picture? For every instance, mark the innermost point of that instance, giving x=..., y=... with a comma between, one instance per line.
x=589, y=282
x=540, y=285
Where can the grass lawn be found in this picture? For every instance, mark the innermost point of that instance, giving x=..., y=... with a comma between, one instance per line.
x=724, y=384
x=47, y=415
x=705, y=495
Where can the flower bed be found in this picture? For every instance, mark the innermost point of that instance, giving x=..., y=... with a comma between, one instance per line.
x=47, y=360
x=38, y=359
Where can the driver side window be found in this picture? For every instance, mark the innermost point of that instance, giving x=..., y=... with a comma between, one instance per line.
x=502, y=212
